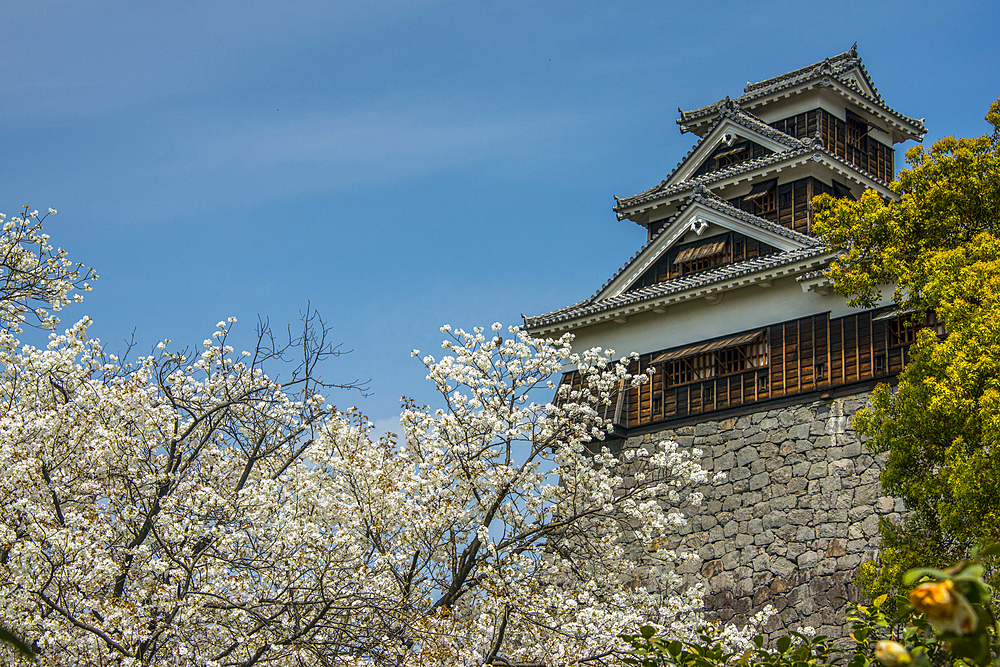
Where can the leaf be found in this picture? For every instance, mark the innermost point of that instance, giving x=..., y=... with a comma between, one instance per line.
x=992, y=550
x=647, y=631
x=913, y=576
x=783, y=643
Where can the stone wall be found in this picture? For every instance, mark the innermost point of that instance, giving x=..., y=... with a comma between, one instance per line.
x=796, y=514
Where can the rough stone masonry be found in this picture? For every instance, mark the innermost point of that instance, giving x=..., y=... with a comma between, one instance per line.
x=796, y=514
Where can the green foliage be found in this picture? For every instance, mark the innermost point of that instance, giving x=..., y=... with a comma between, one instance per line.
x=948, y=195
x=940, y=246
x=923, y=630
x=795, y=649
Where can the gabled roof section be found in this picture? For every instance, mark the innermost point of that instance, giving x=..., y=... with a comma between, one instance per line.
x=844, y=70
x=840, y=65
x=702, y=206
x=712, y=281
x=812, y=148
x=665, y=188
x=732, y=121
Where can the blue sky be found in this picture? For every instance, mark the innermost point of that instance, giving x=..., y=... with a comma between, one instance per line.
x=401, y=165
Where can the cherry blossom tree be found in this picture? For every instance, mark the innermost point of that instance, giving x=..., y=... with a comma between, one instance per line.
x=190, y=508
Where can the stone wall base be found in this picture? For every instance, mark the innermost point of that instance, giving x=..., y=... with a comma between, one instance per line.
x=797, y=512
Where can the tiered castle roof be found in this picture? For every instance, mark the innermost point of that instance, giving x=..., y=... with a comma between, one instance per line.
x=759, y=158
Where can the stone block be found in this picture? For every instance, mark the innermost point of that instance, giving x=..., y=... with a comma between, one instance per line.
x=762, y=563
x=816, y=471
x=860, y=512
x=783, y=502
x=885, y=505
x=736, y=474
x=807, y=559
x=796, y=484
x=795, y=549
x=866, y=494
x=842, y=467
x=746, y=455
x=725, y=462
x=706, y=428
x=838, y=515
x=782, y=567
x=848, y=562
x=764, y=538
x=800, y=517
x=759, y=481
x=774, y=520
x=799, y=432
x=769, y=424
x=817, y=454
x=830, y=485
x=835, y=549
x=852, y=449
x=826, y=566
x=831, y=530
x=721, y=582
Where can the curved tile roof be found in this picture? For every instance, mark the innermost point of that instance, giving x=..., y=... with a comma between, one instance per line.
x=833, y=67
x=661, y=190
x=682, y=284
x=747, y=120
x=703, y=196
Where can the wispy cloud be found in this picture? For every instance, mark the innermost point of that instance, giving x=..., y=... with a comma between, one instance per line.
x=374, y=147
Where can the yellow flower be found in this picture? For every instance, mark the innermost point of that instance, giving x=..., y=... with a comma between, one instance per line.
x=891, y=654
x=944, y=607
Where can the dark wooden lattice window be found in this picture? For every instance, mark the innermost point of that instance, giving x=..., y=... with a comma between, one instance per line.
x=764, y=198
x=903, y=330
x=725, y=357
x=857, y=132
x=732, y=156
x=701, y=257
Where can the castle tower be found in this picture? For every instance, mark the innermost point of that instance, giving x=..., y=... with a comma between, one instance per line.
x=757, y=361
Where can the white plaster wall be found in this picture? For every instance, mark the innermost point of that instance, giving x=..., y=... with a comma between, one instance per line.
x=697, y=320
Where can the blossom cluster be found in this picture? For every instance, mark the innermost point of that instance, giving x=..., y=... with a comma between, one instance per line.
x=185, y=508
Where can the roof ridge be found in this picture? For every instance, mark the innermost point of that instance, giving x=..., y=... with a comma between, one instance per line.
x=850, y=55
x=833, y=68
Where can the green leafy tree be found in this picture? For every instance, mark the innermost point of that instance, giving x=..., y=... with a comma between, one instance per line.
x=939, y=245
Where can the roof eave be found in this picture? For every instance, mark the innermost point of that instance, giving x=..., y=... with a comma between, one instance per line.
x=702, y=291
